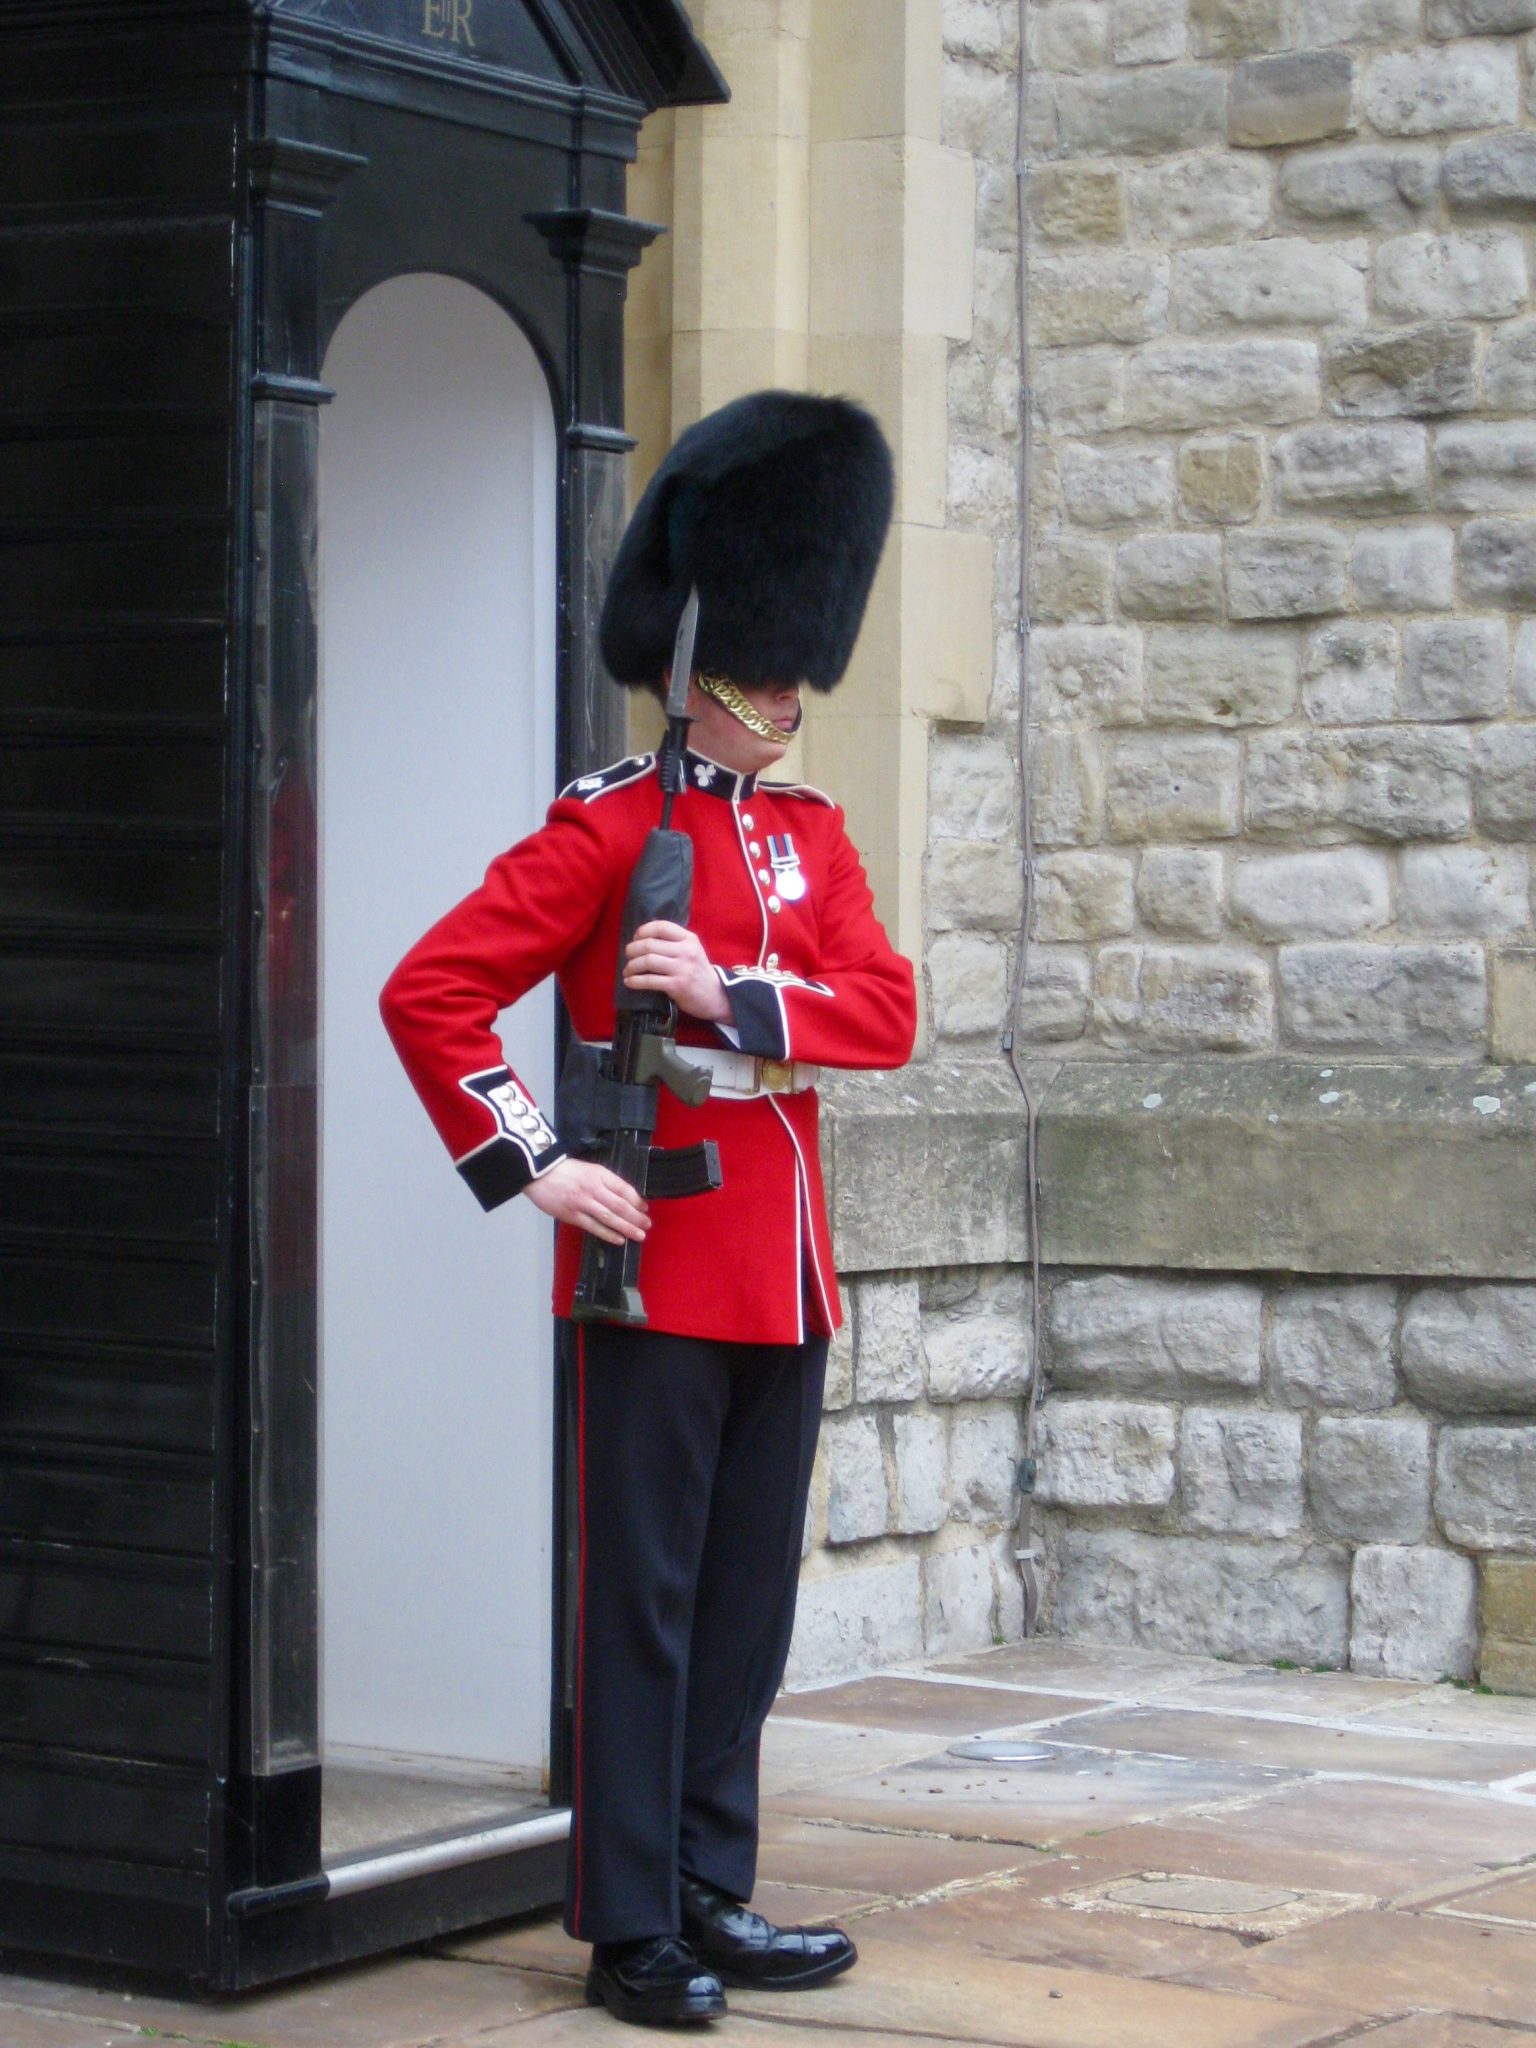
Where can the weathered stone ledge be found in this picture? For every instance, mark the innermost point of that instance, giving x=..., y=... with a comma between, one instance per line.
x=1270, y=1164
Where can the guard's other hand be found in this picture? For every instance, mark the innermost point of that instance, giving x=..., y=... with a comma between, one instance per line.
x=580, y=1191
x=669, y=959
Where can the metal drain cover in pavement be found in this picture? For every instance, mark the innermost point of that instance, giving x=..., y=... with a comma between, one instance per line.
x=999, y=1753
x=1262, y=1911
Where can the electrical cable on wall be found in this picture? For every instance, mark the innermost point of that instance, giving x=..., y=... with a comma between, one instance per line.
x=1026, y=1552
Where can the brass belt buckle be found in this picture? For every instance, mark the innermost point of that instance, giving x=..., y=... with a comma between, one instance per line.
x=777, y=1076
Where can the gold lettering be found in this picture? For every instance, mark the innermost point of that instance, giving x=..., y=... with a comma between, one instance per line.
x=461, y=21
x=434, y=20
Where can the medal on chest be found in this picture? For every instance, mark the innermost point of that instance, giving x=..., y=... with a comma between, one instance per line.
x=789, y=883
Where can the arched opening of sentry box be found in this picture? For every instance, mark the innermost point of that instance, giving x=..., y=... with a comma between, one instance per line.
x=436, y=748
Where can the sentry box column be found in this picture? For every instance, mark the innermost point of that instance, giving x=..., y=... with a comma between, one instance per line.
x=311, y=458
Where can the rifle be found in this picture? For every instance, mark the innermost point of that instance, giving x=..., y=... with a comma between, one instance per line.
x=606, y=1103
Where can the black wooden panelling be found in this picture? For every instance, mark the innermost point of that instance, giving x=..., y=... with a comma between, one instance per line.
x=148, y=783
x=95, y=1290
x=55, y=367
x=91, y=476
x=123, y=890
x=164, y=1197
x=106, y=1092
x=113, y=163
x=179, y=567
x=74, y=1391
x=183, y=265
x=106, y=1500
x=133, y=998
x=95, y=1600
x=155, y=1813
x=114, y=1705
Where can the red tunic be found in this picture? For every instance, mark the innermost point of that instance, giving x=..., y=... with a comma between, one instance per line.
x=785, y=914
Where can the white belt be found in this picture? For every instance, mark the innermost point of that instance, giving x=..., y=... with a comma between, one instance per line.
x=742, y=1075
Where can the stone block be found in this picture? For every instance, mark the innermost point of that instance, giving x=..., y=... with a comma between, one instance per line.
x=852, y=1621
x=921, y=1453
x=1509, y=1598
x=1427, y=91
x=1287, y=573
x=1505, y=789
x=1097, y=296
x=968, y=974
x=1514, y=1005
x=1472, y=1349
x=1125, y=1335
x=1240, y=1471
x=1326, y=895
x=1067, y=779
x=1116, y=486
x=1485, y=1487
x=1239, y=28
x=1509, y=374
x=1105, y=1454
x=974, y=885
x=947, y=635
x=1079, y=390
x=1411, y=372
x=1320, y=23
x=959, y=1602
x=1454, y=668
x=837, y=1391
x=1486, y=466
x=1492, y=174
x=1072, y=36
x=1179, y=891
x=1331, y=1346
x=1477, y=275
x=984, y=1446
x=1172, y=788
x=1498, y=561
x=972, y=787
x=1221, y=675
x=1464, y=891
x=1142, y=113
x=1383, y=998
x=1368, y=1478
x=1083, y=896
x=1183, y=999
x=858, y=1506
x=1507, y=1667
x=1077, y=202
x=1246, y=1599
x=1053, y=1002
x=888, y=1343
x=976, y=1337
x=1069, y=580
x=1283, y=282
x=1409, y=782
x=1175, y=385
x=1148, y=31
x=1200, y=199
x=1169, y=576
x=1405, y=569
x=1298, y=98
x=1413, y=1612
x=1220, y=481
x=1085, y=675
x=1369, y=186
x=1524, y=669
x=1447, y=18
x=1360, y=469
x=1349, y=672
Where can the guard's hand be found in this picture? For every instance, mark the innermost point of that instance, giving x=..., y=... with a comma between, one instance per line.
x=580, y=1191
x=669, y=959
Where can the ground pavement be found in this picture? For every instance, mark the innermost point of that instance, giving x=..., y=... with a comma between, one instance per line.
x=1210, y=1856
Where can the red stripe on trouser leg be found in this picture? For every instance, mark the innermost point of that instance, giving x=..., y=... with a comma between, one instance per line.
x=581, y=1605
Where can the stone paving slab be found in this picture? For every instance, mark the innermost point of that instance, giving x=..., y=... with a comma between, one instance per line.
x=801, y=1851
x=1384, y=1962
x=1326, y=1695
x=1112, y=1671
x=1470, y=1716
x=798, y=1754
x=888, y=1702
x=1442, y=2030
x=1512, y=1898
x=1300, y=1746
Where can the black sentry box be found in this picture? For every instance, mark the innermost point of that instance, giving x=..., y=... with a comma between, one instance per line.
x=192, y=194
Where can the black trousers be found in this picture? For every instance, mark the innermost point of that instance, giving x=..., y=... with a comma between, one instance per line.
x=693, y=1465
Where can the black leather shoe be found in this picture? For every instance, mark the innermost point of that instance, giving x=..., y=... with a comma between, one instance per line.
x=655, y=1982
x=741, y=1947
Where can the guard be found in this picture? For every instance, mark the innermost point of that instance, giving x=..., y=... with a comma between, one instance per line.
x=695, y=1432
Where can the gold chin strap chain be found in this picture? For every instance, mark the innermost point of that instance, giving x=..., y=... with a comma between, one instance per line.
x=725, y=692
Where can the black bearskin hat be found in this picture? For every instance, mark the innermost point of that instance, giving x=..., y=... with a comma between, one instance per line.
x=776, y=507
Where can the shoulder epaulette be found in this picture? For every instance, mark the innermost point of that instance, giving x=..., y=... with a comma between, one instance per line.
x=807, y=790
x=599, y=783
